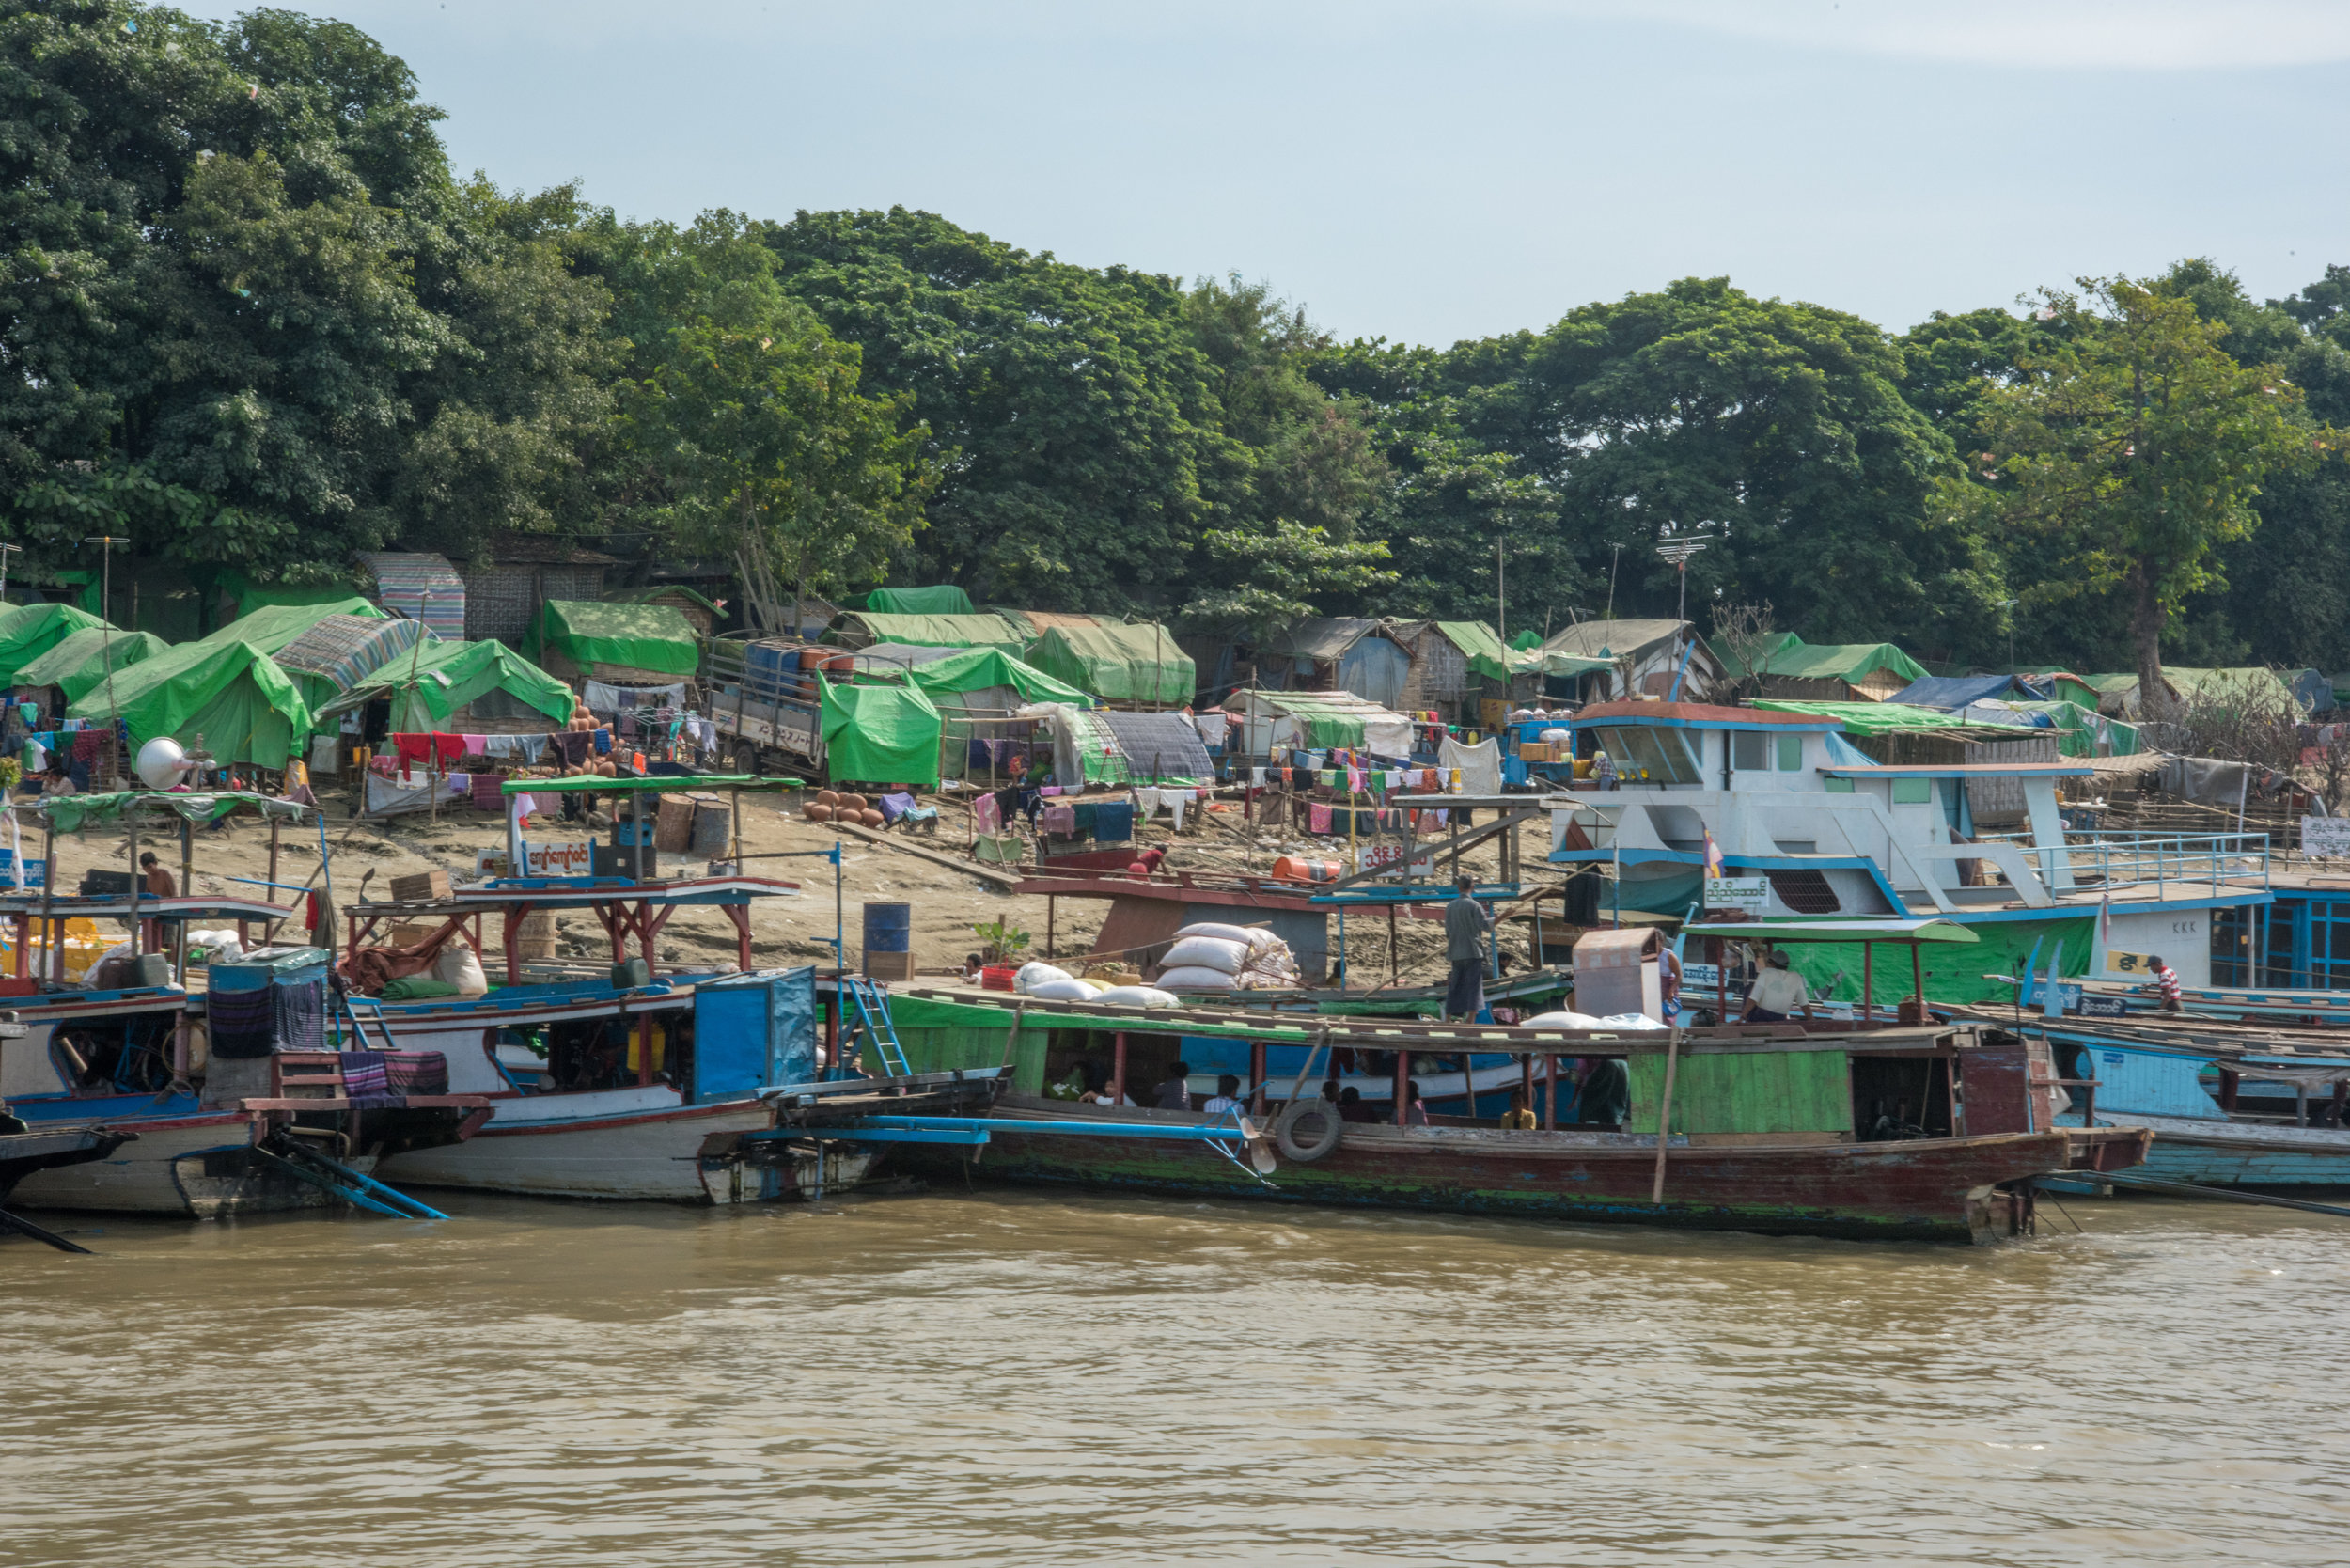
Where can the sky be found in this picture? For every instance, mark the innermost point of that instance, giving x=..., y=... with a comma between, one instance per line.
x=1427, y=172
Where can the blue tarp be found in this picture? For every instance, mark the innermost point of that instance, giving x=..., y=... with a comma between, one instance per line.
x=1951, y=692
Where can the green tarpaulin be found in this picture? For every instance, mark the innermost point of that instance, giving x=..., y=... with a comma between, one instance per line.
x=429, y=683
x=937, y=630
x=1849, y=662
x=1871, y=718
x=271, y=627
x=1525, y=640
x=940, y=599
x=232, y=693
x=28, y=631
x=1118, y=663
x=655, y=637
x=73, y=813
x=252, y=596
x=879, y=734
x=1953, y=974
x=1488, y=655
x=79, y=662
x=983, y=668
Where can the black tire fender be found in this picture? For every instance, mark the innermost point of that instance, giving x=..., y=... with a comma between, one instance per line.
x=1321, y=1129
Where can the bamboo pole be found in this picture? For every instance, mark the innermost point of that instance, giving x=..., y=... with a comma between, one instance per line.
x=1665, y=1111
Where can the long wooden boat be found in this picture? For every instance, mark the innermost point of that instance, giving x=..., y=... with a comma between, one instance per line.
x=1931, y=1133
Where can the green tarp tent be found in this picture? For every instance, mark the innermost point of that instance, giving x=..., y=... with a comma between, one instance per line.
x=982, y=668
x=1118, y=663
x=232, y=693
x=253, y=596
x=271, y=627
x=1870, y=718
x=2260, y=690
x=942, y=598
x=79, y=662
x=28, y=631
x=879, y=734
x=429, y=683
x=983, y=630
x=655, y=637
x=1856, y=663
x=1490, y=657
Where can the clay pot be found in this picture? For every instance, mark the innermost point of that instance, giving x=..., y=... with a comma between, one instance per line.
x=872, y=819
x=853, y=802
x=813, y=658
x=817, y=812
x=827, y=797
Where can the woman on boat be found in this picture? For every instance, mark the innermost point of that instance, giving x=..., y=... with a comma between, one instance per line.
x=1777, y=993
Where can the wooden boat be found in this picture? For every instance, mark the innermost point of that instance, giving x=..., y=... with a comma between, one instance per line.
x=25, y=1152
x=1926, y=1133
x=2227, y=1106
x=606, y=1089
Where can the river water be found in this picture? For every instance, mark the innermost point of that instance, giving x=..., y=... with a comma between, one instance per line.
x=1017, y=1378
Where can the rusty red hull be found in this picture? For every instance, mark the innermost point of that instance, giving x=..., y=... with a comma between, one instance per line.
x=1937, y=1189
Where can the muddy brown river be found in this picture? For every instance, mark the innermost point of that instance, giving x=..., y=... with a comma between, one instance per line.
x=1014, y=1378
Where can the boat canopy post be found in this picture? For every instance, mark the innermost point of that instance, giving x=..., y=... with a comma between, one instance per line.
x=1118, y=1068
x=1257, y=1071
x=1403, y=1082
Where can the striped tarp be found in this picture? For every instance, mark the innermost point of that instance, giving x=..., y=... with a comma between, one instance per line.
x=403, y=581
x=347, y=649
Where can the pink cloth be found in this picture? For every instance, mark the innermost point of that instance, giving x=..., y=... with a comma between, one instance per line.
x=1318, y=819
x=987, y=812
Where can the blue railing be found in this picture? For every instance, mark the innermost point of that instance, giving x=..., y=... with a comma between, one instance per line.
x=2120, y=857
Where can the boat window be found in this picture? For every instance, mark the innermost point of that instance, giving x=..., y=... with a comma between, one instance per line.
x=1650, y=756
x=1749, y=750
x=1790, y=753
x=1912, y=792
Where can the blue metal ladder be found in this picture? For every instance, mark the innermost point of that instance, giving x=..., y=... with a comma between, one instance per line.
x=872, y=1021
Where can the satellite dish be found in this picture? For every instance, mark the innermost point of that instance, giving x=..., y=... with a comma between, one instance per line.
x=162, y=763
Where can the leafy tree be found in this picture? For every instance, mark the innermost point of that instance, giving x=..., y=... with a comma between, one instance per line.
x=2137, y=443
x=1275, y=576
x=246, y=314
x=751, y=416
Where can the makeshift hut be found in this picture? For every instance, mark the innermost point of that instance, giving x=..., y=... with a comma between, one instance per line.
x=879, y=734
x=340, y=650
x=1318, y=720
x=28, y=631
x=2255, y=688
x=863, y=628
x=1338, y=654
x=978, y=693
x=1950, y=692
x=1033, y=624
x=2310, y=688
x=938, y=599
x=623, y=644
x=516, y=572
x=79, y=661
x=1640, y=658
x=1125, y=666
x=272, y=627
x=2117, y=694
x=420, y=586
x=480, y=687
x=701, y=612
x=229, y=691
x=1795, y=670
x=1457, y=665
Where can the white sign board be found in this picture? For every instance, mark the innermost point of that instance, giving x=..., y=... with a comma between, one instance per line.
x=1750, y=893
x=2329, y=836
x=1700, y=976
x=1373, y=857
x=558, y=860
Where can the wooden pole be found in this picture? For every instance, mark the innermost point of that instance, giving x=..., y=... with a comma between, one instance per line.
x=1117, y=1069
x=51, y=964
x=1665, y=1111
x=1257, y=1071
x=131, y=851
x=1403, y=1081
x=1917, y=979
x=1550, y=1091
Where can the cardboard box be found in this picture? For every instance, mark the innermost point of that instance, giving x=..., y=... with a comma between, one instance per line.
x=420, y=886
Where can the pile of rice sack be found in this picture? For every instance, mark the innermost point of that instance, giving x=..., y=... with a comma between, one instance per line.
x=1049, y=983
x=1212, y=957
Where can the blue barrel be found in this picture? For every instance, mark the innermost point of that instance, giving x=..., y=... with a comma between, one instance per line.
x=888, y=928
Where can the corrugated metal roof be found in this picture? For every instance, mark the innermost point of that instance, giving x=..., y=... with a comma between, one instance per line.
x=345, y=649
x=1321, y=639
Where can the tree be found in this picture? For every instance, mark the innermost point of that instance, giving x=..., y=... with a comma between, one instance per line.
x=748, y=415
x=2137, y=443
x=239, y=280
x=1275, y=577
x=1746, y=639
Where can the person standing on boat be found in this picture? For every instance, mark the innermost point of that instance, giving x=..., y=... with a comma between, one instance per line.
x=1604, y=770
x=2167, y=983
x=1465, y=927
x=1175, y=1092
x=1777, y=992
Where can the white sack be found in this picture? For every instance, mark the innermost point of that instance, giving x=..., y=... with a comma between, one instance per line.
x=1035, y=974
x=1137, y=996
x=1207, y=952
x=1198, y=979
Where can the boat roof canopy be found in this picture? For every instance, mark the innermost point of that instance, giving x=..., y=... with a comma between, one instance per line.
x=1908, y=934
x=1695, y=715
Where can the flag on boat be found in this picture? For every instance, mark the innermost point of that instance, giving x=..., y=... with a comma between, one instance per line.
x=1713, y=855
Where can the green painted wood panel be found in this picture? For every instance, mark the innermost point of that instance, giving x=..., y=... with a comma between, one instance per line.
x=946, y=1048
x=1763, y=1091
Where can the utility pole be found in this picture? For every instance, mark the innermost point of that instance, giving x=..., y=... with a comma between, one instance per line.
x=106, y=543
x=2009, y=606
x=5, y=551
x=1501, y=592
x=1613, y=562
